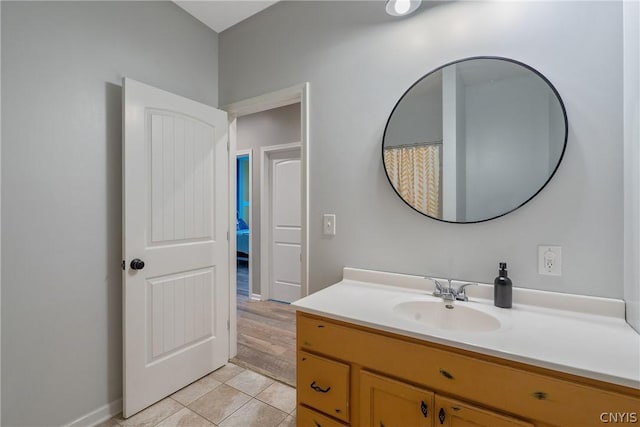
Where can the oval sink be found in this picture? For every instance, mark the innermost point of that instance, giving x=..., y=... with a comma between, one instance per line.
x=435, y=314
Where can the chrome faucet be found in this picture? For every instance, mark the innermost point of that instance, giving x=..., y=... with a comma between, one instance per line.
x=461, y=295
x=449, y=293
x=442, y=291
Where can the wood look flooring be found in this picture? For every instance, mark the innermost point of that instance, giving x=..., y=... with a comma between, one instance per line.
x=267, y=338
x=242, y=274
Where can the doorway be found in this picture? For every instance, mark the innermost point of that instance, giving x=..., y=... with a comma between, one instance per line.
x=262, y=331
x=280, y=219
x=244, y=187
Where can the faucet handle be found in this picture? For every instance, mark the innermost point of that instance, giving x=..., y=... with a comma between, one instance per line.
x=461, y=295
x=440, y=288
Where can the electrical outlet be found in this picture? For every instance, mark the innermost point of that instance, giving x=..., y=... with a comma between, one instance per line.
x=329, y=224
x=550, y=260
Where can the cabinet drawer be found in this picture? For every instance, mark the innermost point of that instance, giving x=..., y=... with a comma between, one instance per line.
x=323, y=384
x=320, y=336
x=306, y=417
x=541, y=397
x=451, y=413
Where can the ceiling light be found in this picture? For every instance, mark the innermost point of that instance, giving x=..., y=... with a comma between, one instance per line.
x=401, y=7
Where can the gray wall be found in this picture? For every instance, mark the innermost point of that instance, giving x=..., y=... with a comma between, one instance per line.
x=506, y=164
x=359, y=61
x=61, y=188
x=272, y=127
x=461, y=150
x=450, y=148
x=556, y=130
x=632, y=161
x=418, y=118
x=0, y=211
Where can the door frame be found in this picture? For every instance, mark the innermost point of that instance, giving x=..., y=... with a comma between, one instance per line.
x=291, y=95
x=266, y=194
x=241, y=153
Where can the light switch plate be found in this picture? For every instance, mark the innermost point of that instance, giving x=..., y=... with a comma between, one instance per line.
x=329, y=224
x=550, y=260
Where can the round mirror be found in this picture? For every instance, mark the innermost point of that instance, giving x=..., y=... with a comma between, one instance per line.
x=474, y=139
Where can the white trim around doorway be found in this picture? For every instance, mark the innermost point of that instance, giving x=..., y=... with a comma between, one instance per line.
x=294, y=94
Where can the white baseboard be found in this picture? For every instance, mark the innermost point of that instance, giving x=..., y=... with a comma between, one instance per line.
x=99, y=415
x=256, y=297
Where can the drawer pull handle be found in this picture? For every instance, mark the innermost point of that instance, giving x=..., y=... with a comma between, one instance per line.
x=317, y=424
x=446, y=374
x=540, y=395
x=318, y=388
x=424, y=408
x=320, y=326
x=441, y=415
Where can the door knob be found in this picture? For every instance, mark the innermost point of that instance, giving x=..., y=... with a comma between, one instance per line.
x=137, y=264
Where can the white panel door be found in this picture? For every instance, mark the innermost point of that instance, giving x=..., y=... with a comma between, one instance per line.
x=175, y=216
x=286, y=230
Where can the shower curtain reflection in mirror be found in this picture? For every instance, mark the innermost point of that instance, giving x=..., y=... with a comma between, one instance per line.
x=416, y=174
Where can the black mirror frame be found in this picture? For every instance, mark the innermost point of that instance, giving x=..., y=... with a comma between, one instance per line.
x=564, y=147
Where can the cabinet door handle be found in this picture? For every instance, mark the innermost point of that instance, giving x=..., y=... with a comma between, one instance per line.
x=540, y=395
x=317, y=424
x=424, y=408
x=318, y=388
x=441, y=415
x=446, y=374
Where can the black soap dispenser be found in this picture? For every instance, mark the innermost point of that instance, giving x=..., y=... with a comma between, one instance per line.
x=502, y=288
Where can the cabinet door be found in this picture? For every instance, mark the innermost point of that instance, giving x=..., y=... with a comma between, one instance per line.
x=388, y=403
x=453, y=413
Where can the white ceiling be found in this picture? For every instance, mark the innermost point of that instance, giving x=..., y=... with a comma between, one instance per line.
x=222, y=14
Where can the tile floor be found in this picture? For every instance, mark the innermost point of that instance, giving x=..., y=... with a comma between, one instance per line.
x=229, y=397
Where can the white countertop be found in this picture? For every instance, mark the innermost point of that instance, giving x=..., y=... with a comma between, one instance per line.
x=595, y=342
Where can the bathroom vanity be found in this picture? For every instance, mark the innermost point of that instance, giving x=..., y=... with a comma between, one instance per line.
x=371, y=352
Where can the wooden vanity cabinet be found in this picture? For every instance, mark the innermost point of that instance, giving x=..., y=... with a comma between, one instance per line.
x=359, y=376
x=453, y=413
x=327, y=385
x=310, y=418
x=390, y=403
x=385, y=402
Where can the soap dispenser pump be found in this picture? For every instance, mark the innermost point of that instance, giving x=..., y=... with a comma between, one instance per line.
x=502, y=288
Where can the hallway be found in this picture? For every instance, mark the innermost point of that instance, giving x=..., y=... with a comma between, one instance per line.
x=266, y=334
